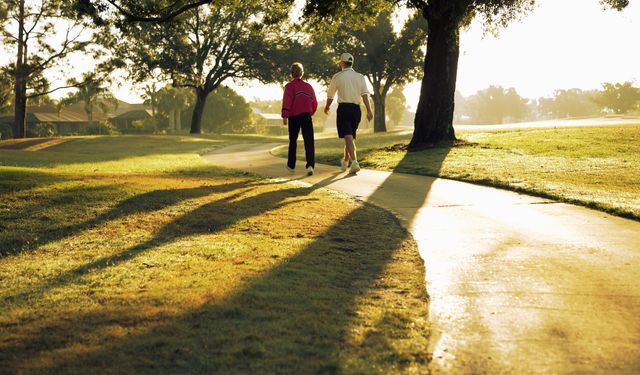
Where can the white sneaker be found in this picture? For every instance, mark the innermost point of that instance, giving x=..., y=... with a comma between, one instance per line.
x=309, y=171
x=355, y=167
x=291, y=170
x=344, y=164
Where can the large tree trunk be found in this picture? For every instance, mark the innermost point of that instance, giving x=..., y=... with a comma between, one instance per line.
x=379, y=113
x=196, y=119
x=20, y=84
x=434, y=115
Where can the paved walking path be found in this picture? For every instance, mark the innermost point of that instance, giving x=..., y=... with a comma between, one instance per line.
x=518, y=284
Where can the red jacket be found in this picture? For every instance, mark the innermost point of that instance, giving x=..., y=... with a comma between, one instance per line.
x=299, y=98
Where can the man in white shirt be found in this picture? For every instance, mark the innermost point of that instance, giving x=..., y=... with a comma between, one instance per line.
x=351, y=88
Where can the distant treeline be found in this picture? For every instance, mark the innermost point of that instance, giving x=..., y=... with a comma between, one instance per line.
x=497, y=105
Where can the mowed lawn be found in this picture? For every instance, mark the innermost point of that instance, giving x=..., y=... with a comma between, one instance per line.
x=598, y=167
x=131, y=255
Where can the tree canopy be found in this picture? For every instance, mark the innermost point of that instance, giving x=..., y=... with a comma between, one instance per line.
x=205, y=46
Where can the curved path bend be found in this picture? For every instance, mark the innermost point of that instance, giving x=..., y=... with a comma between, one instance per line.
x=518, y=284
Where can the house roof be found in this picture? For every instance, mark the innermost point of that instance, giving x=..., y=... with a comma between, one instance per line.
x=135, y=114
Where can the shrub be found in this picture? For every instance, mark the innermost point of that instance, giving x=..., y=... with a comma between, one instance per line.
x=43, y=129
x=100, y=128
x=5, y=131
x=146, y=126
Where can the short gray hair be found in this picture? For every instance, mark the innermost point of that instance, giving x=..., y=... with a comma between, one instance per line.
x=297, y=70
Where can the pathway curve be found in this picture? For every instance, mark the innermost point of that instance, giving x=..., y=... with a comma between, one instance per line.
x=518, y=284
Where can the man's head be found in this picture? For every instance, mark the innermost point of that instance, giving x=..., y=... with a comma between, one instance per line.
x=297, y=70
x=346, y=60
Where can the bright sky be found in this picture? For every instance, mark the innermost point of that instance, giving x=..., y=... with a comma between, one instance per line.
x=562, y=44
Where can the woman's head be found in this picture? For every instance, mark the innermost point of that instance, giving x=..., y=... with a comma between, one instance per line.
x=297, y=70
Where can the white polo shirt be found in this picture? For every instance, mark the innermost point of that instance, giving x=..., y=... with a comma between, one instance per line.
x=350, y=86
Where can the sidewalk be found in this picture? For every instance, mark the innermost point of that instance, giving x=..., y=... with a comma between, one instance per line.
x=518, y=284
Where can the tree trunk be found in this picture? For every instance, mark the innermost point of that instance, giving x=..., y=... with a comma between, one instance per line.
x=196, y=119
x=178, y=121
x=172, y=120
x=379, y=114
x=434, y=115
x=20, y=84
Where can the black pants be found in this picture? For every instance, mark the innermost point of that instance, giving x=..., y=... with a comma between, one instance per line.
x=305, y=123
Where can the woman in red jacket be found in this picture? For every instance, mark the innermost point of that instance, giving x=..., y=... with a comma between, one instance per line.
x=298, y=105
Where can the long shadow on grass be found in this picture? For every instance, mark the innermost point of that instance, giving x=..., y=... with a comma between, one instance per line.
x=294, y=318
x=56, y=230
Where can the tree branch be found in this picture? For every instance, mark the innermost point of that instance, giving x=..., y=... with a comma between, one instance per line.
x=134, y=18
x=77, y=85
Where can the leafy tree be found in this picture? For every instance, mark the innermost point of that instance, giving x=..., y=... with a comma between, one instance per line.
x=226, y=112
x=206, y=46
x=150, y=94
x=619, y=97
x=494, y=104
x=434, y=115
x=6, y=94
x=568, y=103
x=386, y=58
x=172, y=101
x=396, y=105
x=91, y=93
x=28, y=31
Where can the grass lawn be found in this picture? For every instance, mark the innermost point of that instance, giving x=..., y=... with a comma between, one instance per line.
x=131, y=255
x=598, y=167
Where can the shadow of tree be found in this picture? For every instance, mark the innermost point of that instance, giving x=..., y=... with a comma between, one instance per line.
x=272, y=324
x=57, y=227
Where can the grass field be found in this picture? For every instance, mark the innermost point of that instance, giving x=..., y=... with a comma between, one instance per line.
x=598, y=167
x=131, y=255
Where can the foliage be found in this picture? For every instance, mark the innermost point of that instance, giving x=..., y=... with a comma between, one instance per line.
x=33, y=35
x=227, y=112
x=100, y=128
x=435, y=112
x=396, y=105
x=568, y=103
x=208, y=45
x=619, y=98
x=6, y=93
x=90, y=92
x=42, y=129
x=172, y=102
x=147, y=126
x=5, y=131
x=495, y=104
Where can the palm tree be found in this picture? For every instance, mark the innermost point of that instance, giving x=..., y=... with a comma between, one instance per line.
x=150, y=96
x=93, y=94
x=171, y=102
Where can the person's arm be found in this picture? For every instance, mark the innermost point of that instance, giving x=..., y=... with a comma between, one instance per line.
x=365, y=99
x=364, y=91
x=314, y=101
x=287, y=102
x=331, y=93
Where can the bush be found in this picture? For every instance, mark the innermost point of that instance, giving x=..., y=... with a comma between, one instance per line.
x=5, y=131
x=44, y=129
x=146, y=126
x=100, y=128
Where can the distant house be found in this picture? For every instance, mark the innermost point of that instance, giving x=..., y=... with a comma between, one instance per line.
x=65, y=121
x=269, y=123
x=125, y=120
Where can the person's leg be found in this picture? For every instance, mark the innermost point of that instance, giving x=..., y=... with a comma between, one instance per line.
x=309, y=146
x=294, y=130
x=350, y=148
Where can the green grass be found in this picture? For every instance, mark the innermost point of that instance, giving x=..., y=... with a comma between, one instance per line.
x=133, y=255
x=598, y=167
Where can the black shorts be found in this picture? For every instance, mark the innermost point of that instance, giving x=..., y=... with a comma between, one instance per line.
x=349, y=116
